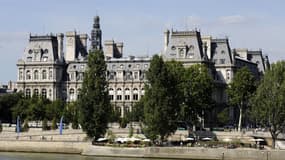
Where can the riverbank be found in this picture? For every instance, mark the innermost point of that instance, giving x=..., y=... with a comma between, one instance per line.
x=86, y=149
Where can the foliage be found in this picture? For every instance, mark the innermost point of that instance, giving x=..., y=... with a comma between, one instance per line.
x=137, y=112
x=115, y=115
x=54, y=110
x=131, y=131
x=223, y=116
x=45, y=125
x=25, y=126
x=7, y=102
x=53, y=124
x=1, y=127
x=197, y=93
x=240, y=90
x=268, y=104
x=94, y=103
x=161, y=100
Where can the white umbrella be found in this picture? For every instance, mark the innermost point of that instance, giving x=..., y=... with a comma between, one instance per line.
x=189, y=139
x=227, y=140
x=259, y=140
x=146, y=140
x=101, y=139
x=206, y=139
x=133, y=139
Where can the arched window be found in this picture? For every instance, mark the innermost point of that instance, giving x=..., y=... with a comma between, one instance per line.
x=28, y=93
x=127, y=94
x=44, y=93
x=119, y=94
x=44, y=74
x=36, y=74
x=135, y=94
x=36, y=92
x=28, y=75
x=71, y=94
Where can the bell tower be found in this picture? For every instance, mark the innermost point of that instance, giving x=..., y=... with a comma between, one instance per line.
x=96, y=35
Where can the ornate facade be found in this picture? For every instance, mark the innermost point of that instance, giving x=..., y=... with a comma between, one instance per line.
x=46, y=69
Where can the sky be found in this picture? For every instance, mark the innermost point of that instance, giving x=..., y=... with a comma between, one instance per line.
x=252, y=24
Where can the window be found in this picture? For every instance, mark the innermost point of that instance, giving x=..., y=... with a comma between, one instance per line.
x=28, y=75
x=44, y=93
x=127, y=97
x=49, y=92
x=222, y=61
x=136, y=75
x=44, y=74
x=71, y=94
x=135, y=97
x=21, y=75
x=36, y=75
x=126, y=109
x=28, y=93
x=118, y=110
x=36, y=92
x=111, y=97
x=119, y=97
x=228, y=74
x=50, y=75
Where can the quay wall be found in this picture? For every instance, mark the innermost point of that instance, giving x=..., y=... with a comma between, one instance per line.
x=86, y=149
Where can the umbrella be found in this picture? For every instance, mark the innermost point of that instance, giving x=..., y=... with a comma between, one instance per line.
x=206, y=139
x=189, y=139
x=133, y=139
x=146, y=140
x=101, y=139
x=227, y=140
x=259, y=140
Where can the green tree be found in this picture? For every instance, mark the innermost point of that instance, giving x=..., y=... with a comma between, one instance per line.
x=94, y=103
x=197, y=93
x=268, y=104
x=7, y=102
x=160, y=105
x=240, y=90
x=54, y=110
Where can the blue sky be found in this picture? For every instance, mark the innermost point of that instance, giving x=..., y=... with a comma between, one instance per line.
x=253, y=24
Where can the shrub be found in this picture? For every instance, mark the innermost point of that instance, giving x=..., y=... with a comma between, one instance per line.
x=26, y=126
x=53, y=124
x=1, y=127
x=45, y=125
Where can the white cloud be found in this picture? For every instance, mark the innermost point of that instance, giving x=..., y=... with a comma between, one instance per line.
x=233, y=19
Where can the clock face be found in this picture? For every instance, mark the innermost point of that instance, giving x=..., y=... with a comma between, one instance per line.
x=30, y=51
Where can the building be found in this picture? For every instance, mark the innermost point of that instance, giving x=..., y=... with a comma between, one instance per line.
x=47, y=70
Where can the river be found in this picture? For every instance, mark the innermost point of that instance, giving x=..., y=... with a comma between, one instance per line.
x=49, y=156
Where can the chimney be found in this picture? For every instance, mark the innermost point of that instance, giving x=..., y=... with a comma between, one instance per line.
x=120, y=46
x=70, y=52
x=166, y=39
x=83, y=40
x=60, y=46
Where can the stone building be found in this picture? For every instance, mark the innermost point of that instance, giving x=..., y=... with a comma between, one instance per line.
x=46, y=69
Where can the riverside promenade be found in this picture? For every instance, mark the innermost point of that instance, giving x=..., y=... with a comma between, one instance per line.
x=74, y=142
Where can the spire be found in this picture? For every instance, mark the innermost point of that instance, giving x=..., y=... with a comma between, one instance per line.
x=96, y=35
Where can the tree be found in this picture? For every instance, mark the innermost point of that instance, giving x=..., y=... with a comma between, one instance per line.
x=268, y=103
x=94, y=103
x=197, y=93
x=240, y=90
x=160, y=103
x=7, y=102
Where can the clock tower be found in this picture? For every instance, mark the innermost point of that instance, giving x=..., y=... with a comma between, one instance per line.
x=96, y=35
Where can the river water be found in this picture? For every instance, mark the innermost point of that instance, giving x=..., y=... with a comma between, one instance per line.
x=48, y=156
